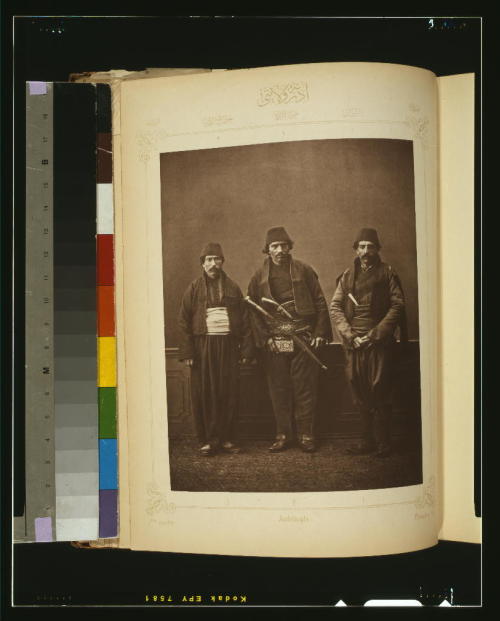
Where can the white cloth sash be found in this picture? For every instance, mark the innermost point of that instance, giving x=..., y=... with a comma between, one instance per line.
x=217, y=320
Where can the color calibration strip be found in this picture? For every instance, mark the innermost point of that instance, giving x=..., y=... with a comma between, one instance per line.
x=71, y=464
x=75, y=312
x=70, y=389
x=106, y=335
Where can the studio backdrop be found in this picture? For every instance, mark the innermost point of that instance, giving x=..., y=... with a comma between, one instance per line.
x=322, y=192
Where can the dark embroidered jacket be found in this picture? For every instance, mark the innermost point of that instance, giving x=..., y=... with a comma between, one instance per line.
x=309, y=300
x=192, y=316
x=387, y=305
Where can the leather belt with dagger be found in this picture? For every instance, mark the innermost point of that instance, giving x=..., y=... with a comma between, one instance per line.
x=285, y=328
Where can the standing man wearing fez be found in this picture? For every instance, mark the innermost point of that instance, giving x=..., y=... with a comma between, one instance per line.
x=367, y=308
x=216, y=337
x=292, y=374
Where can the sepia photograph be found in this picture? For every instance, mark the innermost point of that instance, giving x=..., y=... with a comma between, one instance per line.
x=240, y=338
x=291, y=316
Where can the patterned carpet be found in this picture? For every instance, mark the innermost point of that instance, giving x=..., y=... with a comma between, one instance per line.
x=331, y=468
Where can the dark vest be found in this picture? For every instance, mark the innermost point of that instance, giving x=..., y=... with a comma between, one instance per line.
x=381, y=296
x=304, y=304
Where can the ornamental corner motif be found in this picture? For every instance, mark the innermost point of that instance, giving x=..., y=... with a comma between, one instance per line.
x=427, y=498
x=147, y=141
x=419, y=126
x=158, y=502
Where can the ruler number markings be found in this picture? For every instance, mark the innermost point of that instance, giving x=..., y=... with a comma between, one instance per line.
x=40, y=412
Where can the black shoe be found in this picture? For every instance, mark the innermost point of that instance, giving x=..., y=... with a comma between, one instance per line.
x=281, y=444
x=208, y=450
x=230, y=447
x=361, y=449
x=307, y=445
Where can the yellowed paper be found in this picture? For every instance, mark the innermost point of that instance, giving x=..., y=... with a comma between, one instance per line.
x=344, y=100
x=115, y=78
x=456, y=208
x=121, y=401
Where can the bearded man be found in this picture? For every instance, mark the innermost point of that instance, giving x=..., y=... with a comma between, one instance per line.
x=367, y=308
x=292, y=375
x=216, y=338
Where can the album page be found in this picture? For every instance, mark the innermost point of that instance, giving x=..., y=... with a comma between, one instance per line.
x=321, y=159
x=457, y=249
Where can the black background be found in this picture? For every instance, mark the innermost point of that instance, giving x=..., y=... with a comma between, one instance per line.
x=50, y=49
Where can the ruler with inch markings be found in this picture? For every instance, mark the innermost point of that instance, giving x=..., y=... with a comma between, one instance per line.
x=39, y=314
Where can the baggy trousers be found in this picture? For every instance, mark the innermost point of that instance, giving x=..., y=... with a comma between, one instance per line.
x=293, y=380
x=214, y=387
x=370, y=373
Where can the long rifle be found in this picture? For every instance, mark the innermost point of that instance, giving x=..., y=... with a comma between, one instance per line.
x=295, y=338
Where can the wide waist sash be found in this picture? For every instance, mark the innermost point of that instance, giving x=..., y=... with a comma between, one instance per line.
x=217, y=320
